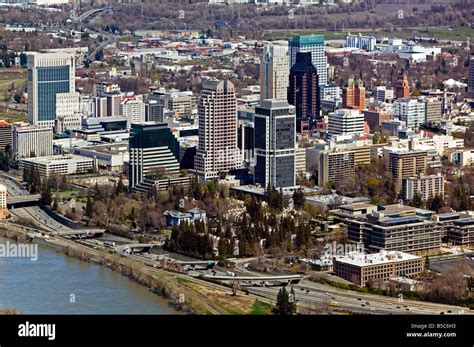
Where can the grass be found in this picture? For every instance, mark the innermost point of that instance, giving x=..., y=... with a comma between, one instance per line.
x=459, y=33
x=9, y=76
x=260, y=308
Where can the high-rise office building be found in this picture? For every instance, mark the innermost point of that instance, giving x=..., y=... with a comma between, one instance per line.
x=217, y=150
x=154, y=111
x=303, y=92
x=32, y=141
x=402, y=89
x=353, y=95
x=245, y=139
x=345, y=122
x=471, y=78
x=6, y=136
x=49, y=75
x=275, y=137
x=315, y=45
x=154, y=151
x=433, y=109
x=383, y=94
x=411, y=111
x=274, y=72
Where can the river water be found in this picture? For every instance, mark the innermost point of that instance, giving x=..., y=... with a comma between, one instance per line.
x=58, y=284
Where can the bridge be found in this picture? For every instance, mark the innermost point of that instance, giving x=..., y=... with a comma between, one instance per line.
x=81, y=233
x=134, y=248
x=23, y=200
x=260, y=280
x=90, y=13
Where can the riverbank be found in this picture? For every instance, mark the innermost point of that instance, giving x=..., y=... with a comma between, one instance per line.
x=184, y=293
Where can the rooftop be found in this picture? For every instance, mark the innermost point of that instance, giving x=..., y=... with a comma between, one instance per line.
x=384, y=257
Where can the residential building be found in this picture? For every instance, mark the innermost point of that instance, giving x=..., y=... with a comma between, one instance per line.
x=336, y=166
x=274, y=71
x=315, y=45
x=361, y=269
x=412, y=111
x=32, y=141
x=403, y=163
x=49, y=75
x=353, y=95
x=425, y=186
x=6, y=135
x=217, y=150
x=345, y=122
x=303, y=93
x=68, y=164
x=275, y=136
x=153, y=151
x=433, y=110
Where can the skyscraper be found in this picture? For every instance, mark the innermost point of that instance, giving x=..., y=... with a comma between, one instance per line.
x=274, y=72
x=412, y=111
x=471, y=78
x=353, y=95
x=275, y=144
x=50, y=75
x=32, y=141
x=154, y=150
x=315, y=45
x=303, y=92
x=217, y=149
x=345, y=122
x=402, y=90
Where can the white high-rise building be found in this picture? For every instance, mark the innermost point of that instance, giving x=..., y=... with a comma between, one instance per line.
x=274, y=72
x=411, y=111
x=217, y=150
x=383, y=94
x=51, y=84
x=345, y=122
x=32, y=141
x=134, y=110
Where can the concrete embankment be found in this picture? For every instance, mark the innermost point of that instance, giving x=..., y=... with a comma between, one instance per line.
x=159, y=281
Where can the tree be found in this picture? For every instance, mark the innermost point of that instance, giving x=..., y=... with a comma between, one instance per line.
x=298, y=198
x=416, y=201
x=89, y=207
x=120, y=186
x=46, y=196
x=56, y=202
x=284, y=305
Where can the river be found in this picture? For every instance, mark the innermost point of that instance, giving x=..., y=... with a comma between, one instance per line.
x=58, y=284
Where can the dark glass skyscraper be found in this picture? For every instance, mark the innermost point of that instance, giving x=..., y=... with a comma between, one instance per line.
x=153, y=149
x=303, y=92
x=275, y=144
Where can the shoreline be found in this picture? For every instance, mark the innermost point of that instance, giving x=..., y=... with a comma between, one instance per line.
x=158, y=281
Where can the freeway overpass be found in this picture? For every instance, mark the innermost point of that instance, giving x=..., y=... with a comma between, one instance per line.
x=81, y=233
x=23, y=200
x=134, y=248
x=261, y=280
x=90, y=13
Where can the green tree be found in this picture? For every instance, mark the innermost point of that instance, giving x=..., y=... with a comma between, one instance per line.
x=298, y=198
x=284, y=305
x=416, y=201
x=120, y=186
x=89, y=207
x=46, y=196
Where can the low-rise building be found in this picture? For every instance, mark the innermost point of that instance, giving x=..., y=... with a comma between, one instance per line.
x=360, y=268
x=69, y=164
x=174, y=217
